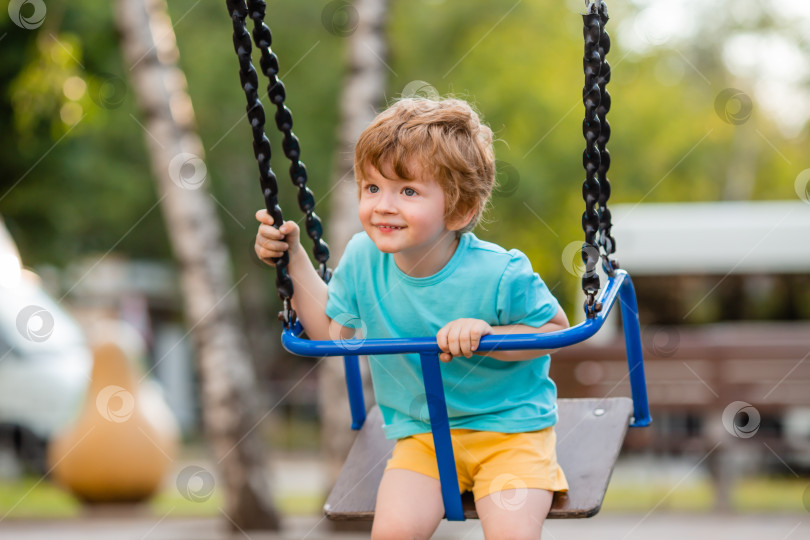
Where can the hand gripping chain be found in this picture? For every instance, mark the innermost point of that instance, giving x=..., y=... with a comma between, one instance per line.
x=262, y=37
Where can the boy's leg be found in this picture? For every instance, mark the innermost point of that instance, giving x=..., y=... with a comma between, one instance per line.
x=514, y=513
x=409, y=506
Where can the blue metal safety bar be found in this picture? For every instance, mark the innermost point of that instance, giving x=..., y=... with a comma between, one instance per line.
x=354, y=384
x=618, y=286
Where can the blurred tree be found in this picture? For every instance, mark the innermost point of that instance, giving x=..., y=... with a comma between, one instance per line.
x=64, y=108
x=229, y=397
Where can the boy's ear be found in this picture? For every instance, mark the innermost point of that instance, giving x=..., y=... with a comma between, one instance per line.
x=456, y=223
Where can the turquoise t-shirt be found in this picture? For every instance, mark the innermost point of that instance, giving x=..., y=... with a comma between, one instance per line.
x=481, y=281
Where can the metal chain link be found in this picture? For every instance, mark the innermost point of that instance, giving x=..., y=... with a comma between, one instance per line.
x=606, y=241
x=591, y=158
x=261, y=145
x=248, y=77
x=284, y=122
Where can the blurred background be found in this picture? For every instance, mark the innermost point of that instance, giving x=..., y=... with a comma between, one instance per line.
x=711, y=212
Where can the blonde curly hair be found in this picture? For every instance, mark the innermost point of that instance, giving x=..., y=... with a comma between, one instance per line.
x=444, y=139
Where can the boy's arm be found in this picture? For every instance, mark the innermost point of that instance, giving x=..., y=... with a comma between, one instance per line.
x=309, y=296
x=558, y=322
x=309, y=300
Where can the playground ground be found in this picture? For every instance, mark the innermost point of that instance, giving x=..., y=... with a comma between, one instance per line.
x=661, y=526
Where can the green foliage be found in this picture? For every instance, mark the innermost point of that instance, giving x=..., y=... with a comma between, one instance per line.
x=76, y=179
x=71, y=187
x=524, y=71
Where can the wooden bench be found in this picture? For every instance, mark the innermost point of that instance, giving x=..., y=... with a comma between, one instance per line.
x=589, y=436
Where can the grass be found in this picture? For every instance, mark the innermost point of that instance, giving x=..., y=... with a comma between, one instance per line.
x=750, y=495
x=31, y=497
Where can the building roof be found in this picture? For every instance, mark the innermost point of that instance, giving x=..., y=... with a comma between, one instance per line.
x=713, y=238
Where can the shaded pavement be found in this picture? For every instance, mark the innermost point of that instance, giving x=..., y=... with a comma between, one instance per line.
x=660, y=526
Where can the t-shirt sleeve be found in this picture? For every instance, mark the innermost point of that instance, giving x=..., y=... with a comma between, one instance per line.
x=523, y=297
x=342, y=300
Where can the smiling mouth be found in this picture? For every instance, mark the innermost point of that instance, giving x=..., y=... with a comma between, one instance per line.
x=389, y=227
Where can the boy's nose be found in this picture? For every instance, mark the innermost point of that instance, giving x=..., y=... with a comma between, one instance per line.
x=386, y=204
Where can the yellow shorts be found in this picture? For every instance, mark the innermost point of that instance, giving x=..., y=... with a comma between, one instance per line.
x=488, y=462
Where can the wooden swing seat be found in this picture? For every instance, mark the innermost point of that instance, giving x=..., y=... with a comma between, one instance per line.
x=589, y=437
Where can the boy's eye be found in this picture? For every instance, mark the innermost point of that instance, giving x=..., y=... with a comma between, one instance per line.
x=409, y=192
x=372, y=188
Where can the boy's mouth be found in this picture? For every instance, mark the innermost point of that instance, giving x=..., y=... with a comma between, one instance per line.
x=385, y=227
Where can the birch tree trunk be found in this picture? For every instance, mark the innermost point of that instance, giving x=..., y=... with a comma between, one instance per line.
x=229, y=398
x=363, y=93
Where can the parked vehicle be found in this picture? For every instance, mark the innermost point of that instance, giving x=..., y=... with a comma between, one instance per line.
x=44, y=360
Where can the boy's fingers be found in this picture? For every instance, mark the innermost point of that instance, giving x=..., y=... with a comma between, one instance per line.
x=266, y=249
x=264, y=217
x=268, y=231
x=445, y=339
x=448, y=341
x=273, y=245
x=264, y=257
x=453, y=341
x=475, y=337
x=469, y=339
x=267, y=254
x=466, y=346
x=475, y=340
x=463, y=340
x=484, y=330
x=441, y=339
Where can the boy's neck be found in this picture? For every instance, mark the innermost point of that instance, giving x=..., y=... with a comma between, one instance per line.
x=428, y=262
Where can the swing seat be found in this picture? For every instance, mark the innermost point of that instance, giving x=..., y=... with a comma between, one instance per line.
x=589, y=436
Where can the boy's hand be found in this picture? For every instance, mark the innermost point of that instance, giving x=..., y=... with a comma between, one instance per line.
x=461, y=337
x=271, y=243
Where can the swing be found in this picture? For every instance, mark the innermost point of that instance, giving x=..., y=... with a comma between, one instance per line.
x=589, y=431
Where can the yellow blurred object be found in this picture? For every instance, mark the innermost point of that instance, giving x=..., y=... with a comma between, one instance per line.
x=121, y=446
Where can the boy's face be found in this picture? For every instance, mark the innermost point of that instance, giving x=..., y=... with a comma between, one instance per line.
x=402, y=216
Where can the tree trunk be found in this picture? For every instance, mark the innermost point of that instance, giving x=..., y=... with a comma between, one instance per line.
x=363, y=92
x=229, y=399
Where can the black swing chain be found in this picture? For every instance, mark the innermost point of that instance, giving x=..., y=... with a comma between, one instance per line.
x=606, y=241
x=238, y=10
x=284, y=122
x=591, y=157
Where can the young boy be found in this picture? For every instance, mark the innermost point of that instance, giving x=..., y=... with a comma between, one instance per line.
x=425, y=170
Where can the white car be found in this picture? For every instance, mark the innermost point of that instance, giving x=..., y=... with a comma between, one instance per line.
x=45, y=363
